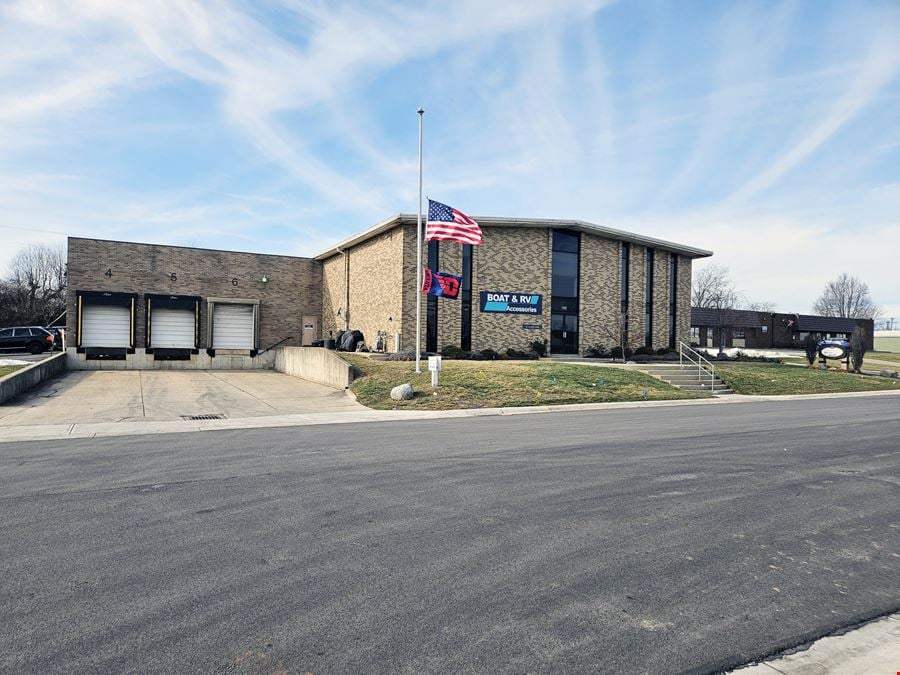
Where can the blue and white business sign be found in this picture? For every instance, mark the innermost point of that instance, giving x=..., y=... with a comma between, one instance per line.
x=511, y=303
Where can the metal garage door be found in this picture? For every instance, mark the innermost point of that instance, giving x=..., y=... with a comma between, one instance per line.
x=233, y=326
x=105, y=326
x=172, y=328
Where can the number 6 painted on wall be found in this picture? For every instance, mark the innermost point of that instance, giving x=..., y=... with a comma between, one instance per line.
x=234, y=282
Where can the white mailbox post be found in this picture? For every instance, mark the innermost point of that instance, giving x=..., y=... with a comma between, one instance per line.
x=434, y=365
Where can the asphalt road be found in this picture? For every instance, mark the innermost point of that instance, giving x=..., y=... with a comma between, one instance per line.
x=657, y=540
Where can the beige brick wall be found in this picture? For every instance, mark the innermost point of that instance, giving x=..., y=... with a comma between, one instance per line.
x=636, y=296
x=683, y=318
x=449, y=311
x=661, y=299
x=512, y=260
x=519, y=259
x=375, y=274
x=294, y=285
x=600, y=292
x=333, y=295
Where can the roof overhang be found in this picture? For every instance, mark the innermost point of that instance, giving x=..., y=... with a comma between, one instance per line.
x=493, y=221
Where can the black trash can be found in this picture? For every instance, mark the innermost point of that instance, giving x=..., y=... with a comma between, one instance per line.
x=329, y=344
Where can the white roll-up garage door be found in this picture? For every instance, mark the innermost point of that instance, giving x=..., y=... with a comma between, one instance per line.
x=233, y=326
x=105, y=326
x=172, y=328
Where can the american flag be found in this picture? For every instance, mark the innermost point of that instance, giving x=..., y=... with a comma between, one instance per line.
x=448, y=224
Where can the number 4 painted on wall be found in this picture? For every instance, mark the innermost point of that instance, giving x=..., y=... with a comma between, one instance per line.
x=108, y=273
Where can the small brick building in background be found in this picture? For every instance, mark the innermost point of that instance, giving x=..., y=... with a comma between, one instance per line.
x=571, y=284
x=767, y=330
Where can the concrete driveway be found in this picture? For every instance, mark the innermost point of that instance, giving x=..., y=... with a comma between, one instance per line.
x=81, y=397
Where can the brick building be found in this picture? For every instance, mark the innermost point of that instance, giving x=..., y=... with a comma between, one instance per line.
x=136, y=305
x=569, y=283
x=767, y=330
x=579, y=279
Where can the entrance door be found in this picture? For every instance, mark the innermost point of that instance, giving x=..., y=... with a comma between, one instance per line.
x=563, y=333
x=310, y=330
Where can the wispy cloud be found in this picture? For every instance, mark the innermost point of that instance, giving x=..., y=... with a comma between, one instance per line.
x=288, y=124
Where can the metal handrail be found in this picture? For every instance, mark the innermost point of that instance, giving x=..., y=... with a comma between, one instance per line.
x=700, y=360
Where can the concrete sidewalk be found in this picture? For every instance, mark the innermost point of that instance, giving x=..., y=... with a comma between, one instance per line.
x=872, y=649
x=356, y=413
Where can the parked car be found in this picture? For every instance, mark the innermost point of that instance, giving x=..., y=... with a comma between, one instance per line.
x=26, y=338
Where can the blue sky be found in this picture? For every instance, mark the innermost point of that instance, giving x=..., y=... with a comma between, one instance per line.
x=767, y=132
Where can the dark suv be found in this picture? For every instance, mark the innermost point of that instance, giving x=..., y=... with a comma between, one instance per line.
x=26, y=338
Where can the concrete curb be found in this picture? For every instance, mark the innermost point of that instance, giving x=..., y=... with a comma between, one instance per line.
x=871, y=648
x=20, y=381
x=9, y=434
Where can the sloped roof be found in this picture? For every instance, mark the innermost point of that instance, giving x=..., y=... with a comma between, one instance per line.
x=737, y=318
x=493, y=221
x=826, y=324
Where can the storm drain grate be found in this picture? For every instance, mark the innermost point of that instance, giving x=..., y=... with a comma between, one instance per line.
x=191, y=418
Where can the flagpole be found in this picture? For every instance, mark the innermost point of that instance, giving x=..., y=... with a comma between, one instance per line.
x=419, y=257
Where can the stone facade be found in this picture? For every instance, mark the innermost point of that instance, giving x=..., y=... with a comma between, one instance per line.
x=370, y=285
x=511, y=260
x=637, y=296
x=520, y=259
x=334, y=295
x=601, y=292
x=293, y=288
x=683, y=316
x=375, y=278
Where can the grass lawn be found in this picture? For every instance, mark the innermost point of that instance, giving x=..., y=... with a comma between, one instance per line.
x=493, y=384
x=6, y=370
x=882, y=356
x=774, y=378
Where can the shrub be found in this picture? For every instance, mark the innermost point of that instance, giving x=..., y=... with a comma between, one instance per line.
x=643, y=351
x=489, y=354
x=597, y=351
x=663, y=351
x=857, y=348
x=453, y=352
x=616, y=352
x=539, y=347
x=811, y=347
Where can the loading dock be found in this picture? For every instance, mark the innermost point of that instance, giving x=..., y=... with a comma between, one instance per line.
x=173, y=325
x=234, y=323
x=105, y=324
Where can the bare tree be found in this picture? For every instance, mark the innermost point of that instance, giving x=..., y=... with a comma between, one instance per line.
x=713, y=289
x=34, y=291
x=848, y=297
x=762, y=307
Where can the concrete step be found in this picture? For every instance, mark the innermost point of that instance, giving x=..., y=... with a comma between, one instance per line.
x=707, y=390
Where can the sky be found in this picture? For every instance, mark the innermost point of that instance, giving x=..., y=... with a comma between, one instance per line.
x=767, y=132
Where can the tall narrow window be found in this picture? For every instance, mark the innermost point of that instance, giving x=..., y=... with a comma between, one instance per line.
x=564, y=292
x=431, y=310
x=648, y=296
x=466, y=297
x=626, y=264
x=673, y=298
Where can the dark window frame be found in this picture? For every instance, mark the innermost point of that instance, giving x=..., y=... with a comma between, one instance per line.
x=466, y=299
x=431, y=303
